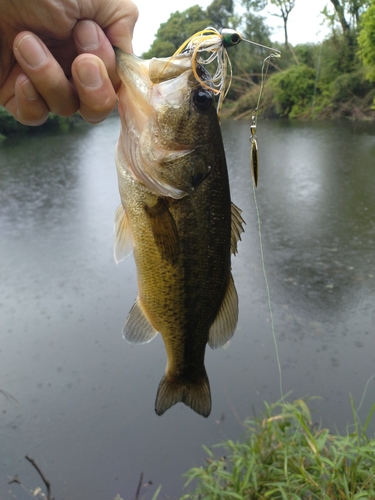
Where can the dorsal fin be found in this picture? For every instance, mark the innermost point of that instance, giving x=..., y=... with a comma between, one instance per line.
x=137, y=328
x=224, y=325
x=123, y=236
x=237, y=227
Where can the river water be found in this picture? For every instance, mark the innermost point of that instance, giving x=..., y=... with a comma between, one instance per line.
x=79, y=399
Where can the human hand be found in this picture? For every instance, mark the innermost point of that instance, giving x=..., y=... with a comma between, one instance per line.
x=58, y=56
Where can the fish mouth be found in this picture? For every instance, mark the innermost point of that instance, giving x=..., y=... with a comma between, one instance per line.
x=140, y=96
x=134, y=95
x=139, y=76
x=136, y=71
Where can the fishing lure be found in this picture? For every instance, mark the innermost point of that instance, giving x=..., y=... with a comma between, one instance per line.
x=253, y=151
x=253, y=126
x=208, y=46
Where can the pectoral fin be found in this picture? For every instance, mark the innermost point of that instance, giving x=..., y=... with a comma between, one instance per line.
x=137, y=328
x=123, y=237
x=222, y=329
x=237, y=227
x=164, y=230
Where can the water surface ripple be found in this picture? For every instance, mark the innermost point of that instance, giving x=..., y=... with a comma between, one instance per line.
x=85, y=397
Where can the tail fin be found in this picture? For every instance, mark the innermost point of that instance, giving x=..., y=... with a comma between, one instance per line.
x=195, y=394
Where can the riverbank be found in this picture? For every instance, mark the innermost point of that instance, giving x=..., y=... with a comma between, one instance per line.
x=284, y=455
x=297, y=93
x=355, y=108
x=10, y=126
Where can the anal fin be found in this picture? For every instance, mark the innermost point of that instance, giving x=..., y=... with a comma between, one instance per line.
x=224, y=325
x=137, y=328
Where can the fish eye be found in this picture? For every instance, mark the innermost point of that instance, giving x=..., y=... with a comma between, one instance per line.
x=202, y=99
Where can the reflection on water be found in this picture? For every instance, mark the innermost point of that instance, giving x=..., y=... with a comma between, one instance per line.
x=85, y=397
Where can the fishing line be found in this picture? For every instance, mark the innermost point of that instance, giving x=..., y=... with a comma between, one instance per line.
x=364, y=393
x=267, y=60
x=268, y=295
x=254, y=172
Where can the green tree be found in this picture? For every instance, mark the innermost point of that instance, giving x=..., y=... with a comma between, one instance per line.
x=252, y=25
x=348, y=14
x=220, y=12
x=340, y=13
x=366, y=41
x=293, y=90
x=247, y=59
x=254, y=5
x=256, y=29
x=179, y=27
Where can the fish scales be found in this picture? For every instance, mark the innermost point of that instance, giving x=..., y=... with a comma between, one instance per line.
x=176, y=208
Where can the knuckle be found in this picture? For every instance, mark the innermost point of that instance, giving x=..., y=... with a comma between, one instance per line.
x=96, y=108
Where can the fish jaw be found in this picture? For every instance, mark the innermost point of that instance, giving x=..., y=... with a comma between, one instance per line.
x=134, y=93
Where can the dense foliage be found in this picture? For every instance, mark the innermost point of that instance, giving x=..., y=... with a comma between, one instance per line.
x=9, y=125
x=366, y=41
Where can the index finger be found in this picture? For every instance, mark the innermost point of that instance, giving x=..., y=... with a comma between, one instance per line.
x=89, y=38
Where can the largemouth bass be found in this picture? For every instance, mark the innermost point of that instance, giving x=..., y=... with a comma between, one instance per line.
x=176, y=213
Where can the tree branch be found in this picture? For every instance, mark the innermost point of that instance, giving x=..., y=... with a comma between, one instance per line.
x=47, y=483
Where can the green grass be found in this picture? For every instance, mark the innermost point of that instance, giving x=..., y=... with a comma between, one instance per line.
x=283, y=456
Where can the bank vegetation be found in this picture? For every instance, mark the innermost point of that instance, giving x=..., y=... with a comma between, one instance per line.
x=284, y=456
x=330, y=79
x=334, y=78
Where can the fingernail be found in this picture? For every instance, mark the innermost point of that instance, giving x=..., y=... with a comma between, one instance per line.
x=89, y=73
x=32, y=51
x=29, y=90
x=87, y=35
